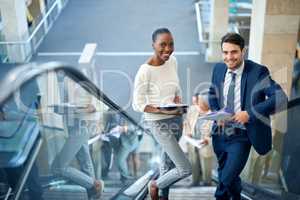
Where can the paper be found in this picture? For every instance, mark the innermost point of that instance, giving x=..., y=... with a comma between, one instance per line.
x=216, y=116
x=104, y=138
x=224, y=116
x=67, y=105
x=116, y=134
x=64, y=108
x=194, y=142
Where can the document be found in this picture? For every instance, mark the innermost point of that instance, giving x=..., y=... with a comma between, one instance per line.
x=104, y=138
x=224, y=116
x=218, y=115
x=67, y=105
x=174, y=107
x=194, y=142
x=64, y=108
x=116, y=132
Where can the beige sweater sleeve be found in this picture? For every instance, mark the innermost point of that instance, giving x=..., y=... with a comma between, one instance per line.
x=140, y=90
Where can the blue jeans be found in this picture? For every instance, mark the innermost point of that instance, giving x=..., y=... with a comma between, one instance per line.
x=174, y=164
x=76, y=145
x=127, y=146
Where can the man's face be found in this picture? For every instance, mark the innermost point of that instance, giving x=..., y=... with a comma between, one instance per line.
x=232, y=55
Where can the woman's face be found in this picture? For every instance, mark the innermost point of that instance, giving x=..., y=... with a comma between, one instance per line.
x=163, y=46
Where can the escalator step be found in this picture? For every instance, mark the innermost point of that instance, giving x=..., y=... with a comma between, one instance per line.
x=194, y=193
x=66, y=192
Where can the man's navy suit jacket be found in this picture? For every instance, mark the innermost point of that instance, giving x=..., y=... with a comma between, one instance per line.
x=260, y=97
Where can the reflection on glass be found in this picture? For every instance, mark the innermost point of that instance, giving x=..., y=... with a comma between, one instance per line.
x=85, y=141
x=19, y=132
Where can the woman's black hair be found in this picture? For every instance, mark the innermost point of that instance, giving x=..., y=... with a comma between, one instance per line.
x=159, y=31
x=233, y=38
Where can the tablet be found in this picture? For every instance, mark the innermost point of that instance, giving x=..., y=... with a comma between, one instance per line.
x=170, y=107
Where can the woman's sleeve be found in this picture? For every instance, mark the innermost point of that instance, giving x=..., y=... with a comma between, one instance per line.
x=140, y=90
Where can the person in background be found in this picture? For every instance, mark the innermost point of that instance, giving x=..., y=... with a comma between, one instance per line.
x=133, y=159
x=123, y=139
x=157, y=83
x=201, y=159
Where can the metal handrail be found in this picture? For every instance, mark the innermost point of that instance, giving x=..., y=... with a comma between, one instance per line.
x=22, y=74
x=35, y=30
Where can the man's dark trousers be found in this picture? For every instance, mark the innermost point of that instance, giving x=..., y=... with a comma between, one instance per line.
x=232, y=154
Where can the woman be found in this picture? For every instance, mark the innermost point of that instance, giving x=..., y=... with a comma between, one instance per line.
x=157, y=83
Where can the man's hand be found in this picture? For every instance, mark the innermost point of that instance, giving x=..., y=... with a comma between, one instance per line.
x=241, y=117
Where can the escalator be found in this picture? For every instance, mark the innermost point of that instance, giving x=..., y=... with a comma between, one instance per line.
x=34, y=103
x=39, y=104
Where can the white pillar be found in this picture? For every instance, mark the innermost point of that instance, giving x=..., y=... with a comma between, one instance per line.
x=273, y=37
x=218, y=28
x=15, y=28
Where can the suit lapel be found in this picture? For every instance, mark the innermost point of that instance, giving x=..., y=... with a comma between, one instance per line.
x=221, y=86
x=243, y=84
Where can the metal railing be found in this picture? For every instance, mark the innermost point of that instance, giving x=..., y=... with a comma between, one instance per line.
x=23, y=74
x=28, y=47
x=203, y=9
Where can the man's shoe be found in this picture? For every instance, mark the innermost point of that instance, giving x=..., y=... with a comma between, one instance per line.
x=153, y=190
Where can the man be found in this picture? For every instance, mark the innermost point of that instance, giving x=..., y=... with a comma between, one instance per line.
x=246, y=89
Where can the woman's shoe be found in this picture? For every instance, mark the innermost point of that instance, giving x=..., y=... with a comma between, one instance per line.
x=153, y=190
x=97, y=190
x=163, y=198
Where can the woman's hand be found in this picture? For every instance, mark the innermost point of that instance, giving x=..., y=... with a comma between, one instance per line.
x=177, y=99
x=151, y=109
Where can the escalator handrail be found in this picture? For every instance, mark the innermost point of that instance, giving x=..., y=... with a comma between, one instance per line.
x=24, y=73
